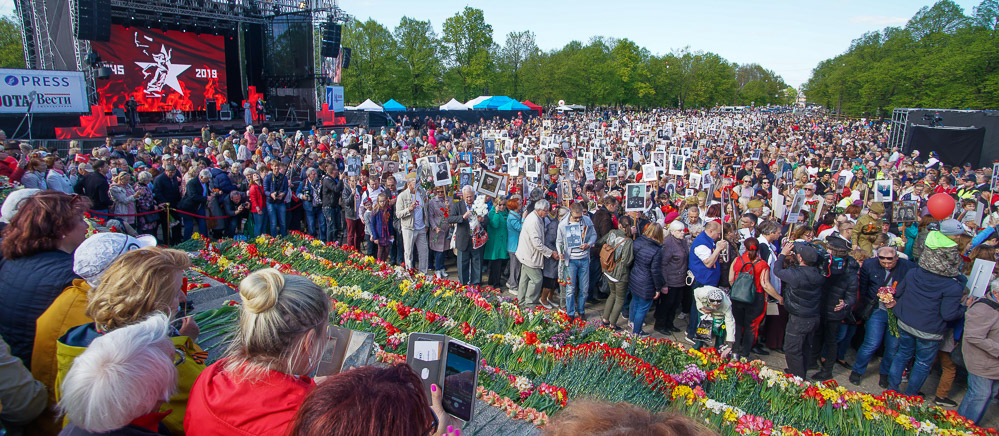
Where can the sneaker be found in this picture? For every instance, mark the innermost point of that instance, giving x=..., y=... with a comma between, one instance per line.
x=641, y=334
x=631, y=326
x=855, y=378
x=688, y=339
x=944, y=402
x=883, y=381
x=547, y=305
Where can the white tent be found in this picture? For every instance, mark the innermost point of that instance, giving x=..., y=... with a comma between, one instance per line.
x=453, y=105
x=564, y=108
x=369, y=106
x=477, y=100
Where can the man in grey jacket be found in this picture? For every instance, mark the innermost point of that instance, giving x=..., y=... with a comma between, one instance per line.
x=531, y=252
x=411, y=209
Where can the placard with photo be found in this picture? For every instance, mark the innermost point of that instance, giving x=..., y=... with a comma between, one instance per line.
x=612, y=168
x=694, y=181
x=883, y=191
x=489, y=183
x=635, y=197
x=353, y=165
x=489, y=145
x=649, y=173
x=676, y=164
x=530, y=165
x=464, y=177
x=905, y=211
x=442, y=174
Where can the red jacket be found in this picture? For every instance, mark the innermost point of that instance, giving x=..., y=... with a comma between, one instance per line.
x=221, y=405
x=257, y=199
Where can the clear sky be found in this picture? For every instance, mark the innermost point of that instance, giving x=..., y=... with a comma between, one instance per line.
x=786, y=36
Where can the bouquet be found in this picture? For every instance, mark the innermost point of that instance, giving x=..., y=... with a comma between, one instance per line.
x=887, y=296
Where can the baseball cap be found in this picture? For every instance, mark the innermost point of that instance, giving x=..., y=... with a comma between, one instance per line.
x=13, y=203
x=951, y=227
x=807, y=253
x=99, y=251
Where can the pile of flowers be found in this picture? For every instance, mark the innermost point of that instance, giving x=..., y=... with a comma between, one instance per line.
x=536, y=360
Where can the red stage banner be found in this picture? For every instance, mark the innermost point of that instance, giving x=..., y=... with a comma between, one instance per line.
x=162, y=70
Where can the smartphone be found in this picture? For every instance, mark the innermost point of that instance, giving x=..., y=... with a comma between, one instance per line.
x=461, y=373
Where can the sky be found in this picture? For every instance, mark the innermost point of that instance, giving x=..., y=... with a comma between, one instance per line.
x=786, y=36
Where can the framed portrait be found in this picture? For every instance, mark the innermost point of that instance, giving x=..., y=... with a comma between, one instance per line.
x=635, y=197
x=442, y=173
x=883, y=191
x=612, y=168
x=353, y=165
x=464, y=178
x=649, y=173
x=906, y=211
x=676, y=164
x=489, y=183
x=489, y=145
x=531, y=167
x=694, y=181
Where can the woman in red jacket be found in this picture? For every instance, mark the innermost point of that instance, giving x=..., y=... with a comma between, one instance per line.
x=258, y=205
x=257, y=388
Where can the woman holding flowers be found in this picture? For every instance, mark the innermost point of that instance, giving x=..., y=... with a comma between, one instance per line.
x=382, y=232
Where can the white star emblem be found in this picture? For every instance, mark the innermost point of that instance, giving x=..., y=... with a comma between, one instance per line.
x=173, y=70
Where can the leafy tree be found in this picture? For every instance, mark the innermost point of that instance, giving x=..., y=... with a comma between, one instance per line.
x=466, y=42
x=420, y=62
x=374, y=62
x=519, y=47
x=11, y=45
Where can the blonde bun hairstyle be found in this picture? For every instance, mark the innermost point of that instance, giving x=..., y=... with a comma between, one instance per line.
x=277, y=314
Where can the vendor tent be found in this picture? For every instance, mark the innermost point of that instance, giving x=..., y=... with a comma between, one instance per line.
x=563, y=108
x=369, y=105
x=533, y=106
x=393, y=105
x=453, y=105
x=514, y=106
x=494, y=102
x=471, y=103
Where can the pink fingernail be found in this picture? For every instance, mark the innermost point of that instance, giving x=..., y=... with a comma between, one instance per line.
x=450, y=429
x=433, y=388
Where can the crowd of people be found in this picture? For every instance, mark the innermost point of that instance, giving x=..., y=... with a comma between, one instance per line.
x=762, y=232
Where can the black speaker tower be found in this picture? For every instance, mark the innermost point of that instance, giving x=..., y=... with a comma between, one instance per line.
x=345, y=61
x=94, y=20
x=331, y=40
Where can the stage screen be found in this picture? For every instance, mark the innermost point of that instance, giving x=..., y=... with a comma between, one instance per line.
x=163, y=70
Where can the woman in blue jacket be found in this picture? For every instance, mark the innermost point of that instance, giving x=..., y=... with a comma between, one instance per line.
x=514, y=222
x=646, y=281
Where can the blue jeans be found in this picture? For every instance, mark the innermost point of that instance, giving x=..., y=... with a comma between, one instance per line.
x=639, y=308
x=259, y=223
x=189, y=224
x=438, y=260
x=876, y=332
x=925, y=352
x=332, y=217
x=470, y=266
x=276, y=213
x=976, y=401
x=579, y=286
x=844, y=337
x=315, y=221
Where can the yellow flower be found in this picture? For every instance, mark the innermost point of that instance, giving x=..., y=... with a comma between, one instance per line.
x=196, y=236
x=729, y=415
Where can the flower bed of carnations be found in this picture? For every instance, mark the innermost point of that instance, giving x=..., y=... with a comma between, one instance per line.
x=535, y=361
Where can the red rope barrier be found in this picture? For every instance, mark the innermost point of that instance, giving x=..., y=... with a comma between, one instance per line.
x=178, y=211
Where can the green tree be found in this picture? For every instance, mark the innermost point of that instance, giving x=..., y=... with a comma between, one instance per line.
x=374, y=64
x=519, y=47
x=11, y=45
x=420, y=62
x=466, y=42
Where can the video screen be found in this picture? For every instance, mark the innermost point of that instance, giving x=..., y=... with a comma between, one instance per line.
x=162, y=70
x=459, y=381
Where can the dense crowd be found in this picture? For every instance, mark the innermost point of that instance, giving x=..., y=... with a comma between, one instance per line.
x=762, y=232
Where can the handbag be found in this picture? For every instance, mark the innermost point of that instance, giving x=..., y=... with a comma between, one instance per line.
x=704, y=330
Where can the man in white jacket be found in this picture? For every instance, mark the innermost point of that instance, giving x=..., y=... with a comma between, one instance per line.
x=531, y=252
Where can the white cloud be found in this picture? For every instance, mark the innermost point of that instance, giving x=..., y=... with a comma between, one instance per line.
x=878, y=20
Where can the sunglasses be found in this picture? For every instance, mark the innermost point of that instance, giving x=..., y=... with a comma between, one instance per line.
x=886, y=257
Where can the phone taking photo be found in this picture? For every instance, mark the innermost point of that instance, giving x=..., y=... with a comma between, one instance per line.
x=461, y=373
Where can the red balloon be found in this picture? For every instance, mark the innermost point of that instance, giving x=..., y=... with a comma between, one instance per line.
x=941, y=206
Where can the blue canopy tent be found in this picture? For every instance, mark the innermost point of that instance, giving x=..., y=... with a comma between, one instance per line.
x=393, y=105
x=494, y=102
x=514, y=106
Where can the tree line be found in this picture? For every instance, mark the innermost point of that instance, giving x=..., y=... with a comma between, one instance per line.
x=942, y=58
x=419, y=68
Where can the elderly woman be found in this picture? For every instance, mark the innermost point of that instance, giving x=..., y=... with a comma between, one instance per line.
x=117, y=385
x=145, y=202
x=56, y=177
x=495, y=249
x=197, y=194
x=280, y=339
x=124, y=197
x=674, y=259
x=439, y=238
x=37, y=248
x=138, y=284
